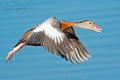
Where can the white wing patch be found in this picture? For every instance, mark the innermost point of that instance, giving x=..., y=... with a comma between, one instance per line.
x=55, y=34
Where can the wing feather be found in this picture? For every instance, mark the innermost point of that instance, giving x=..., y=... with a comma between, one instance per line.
x=62, y=43
x=80, y=52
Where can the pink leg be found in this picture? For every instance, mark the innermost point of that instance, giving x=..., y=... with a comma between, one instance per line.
x=14, y=50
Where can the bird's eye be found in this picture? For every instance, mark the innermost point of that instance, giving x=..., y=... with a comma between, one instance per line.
x=90, y=23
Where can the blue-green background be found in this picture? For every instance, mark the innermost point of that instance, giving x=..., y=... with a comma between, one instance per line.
x=35, y=63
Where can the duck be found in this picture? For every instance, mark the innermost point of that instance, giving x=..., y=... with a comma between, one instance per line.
x=57, y=37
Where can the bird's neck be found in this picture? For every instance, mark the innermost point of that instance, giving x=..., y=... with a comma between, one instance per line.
x=65, y=25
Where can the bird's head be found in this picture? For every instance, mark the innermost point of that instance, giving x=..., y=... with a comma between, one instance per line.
x=88, y=24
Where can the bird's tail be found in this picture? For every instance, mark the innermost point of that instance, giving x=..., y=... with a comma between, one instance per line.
x=16, y=48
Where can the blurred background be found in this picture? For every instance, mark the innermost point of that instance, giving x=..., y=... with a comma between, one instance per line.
x=35, y=63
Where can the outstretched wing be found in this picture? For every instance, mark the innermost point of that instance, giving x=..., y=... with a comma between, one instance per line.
x=80, y=52
x=63, y=43
x=52, y=38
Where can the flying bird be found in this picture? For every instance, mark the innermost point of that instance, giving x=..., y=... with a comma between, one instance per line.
x=58, y=37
